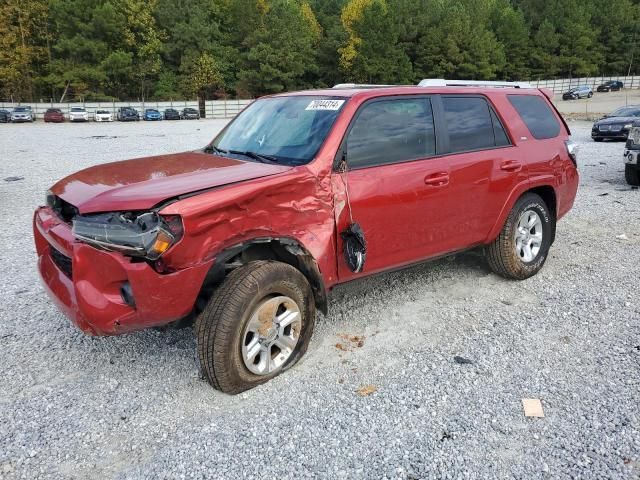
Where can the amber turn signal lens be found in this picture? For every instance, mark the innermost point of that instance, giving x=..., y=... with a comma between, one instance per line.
x=162, y=243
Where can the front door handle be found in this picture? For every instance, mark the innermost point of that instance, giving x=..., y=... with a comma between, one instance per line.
x=511, y=166
x=439, y=179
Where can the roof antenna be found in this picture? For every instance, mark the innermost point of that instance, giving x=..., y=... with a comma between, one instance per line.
x=354, y=243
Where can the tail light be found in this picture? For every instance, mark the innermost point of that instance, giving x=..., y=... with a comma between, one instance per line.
x=572, y=150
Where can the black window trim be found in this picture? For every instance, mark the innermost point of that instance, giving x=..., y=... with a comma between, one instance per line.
x=491, y=108
x=438, y=133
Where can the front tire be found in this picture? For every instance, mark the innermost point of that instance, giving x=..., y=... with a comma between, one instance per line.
x=522, y=247
x=257, y=324
x=632, y=175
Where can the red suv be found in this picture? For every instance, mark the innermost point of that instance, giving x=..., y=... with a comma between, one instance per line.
x=301, y=192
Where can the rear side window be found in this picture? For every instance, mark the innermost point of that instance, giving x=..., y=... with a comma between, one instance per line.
x=470, y=124
x=537, y=115
x=391, y=131
x=498, y=131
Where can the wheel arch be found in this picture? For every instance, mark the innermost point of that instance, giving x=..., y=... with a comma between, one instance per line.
x=283, y=249
x=545, y=191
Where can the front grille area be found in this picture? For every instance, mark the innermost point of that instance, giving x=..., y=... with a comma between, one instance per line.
x=62, y=261
x=64, y=209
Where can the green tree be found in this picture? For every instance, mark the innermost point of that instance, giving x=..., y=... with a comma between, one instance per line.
x=512, y=32
x=143, y=39
x=280, y=51
x=458, y=43
x=373, y=53
x=22, y=46
x=204, y=80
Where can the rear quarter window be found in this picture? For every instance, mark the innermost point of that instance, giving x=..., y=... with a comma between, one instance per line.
x=537, y=115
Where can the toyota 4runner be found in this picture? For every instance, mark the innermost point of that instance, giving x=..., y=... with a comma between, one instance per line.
x=300, y=192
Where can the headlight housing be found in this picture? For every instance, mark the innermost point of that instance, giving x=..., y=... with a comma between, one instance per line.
x=136, y=234
x=628, y=126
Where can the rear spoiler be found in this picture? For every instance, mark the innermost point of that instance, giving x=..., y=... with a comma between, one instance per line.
x=549, y=95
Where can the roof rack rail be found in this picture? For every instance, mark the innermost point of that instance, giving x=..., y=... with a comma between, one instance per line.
x=441, y=82
x=361, y=85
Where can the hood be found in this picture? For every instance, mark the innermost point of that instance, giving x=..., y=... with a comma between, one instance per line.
x=616, y=120
x=142, y=183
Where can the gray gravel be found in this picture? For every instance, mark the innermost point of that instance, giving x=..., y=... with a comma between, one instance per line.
x=134, y=406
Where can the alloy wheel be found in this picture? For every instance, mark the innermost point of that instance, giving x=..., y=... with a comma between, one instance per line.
x=528, y=238
x=271, y=335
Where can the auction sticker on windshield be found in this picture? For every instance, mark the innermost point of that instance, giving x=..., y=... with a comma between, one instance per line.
x=325, y=105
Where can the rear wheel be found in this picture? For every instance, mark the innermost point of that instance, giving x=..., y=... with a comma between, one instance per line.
x=522, y=247
x=257, y=324
x=632, y=175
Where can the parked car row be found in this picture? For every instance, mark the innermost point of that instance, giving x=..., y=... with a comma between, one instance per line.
x=80, y=114
x=19, y=114
x=584, y=91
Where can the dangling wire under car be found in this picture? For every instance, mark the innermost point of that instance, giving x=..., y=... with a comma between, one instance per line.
x=353, y=239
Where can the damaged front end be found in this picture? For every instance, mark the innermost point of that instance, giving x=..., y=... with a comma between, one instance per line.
x=145, y=235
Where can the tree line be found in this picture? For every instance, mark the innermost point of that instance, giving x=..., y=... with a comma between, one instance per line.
x=171, y=49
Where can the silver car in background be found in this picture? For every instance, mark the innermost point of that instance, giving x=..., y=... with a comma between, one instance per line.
x=22, y=114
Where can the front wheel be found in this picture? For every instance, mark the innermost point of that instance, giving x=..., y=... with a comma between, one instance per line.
x=257, y=324
x=632, y=175
x=590, y=95
x=522, y=247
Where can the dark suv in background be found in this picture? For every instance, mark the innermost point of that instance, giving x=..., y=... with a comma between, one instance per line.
x=127, y=114
x=610, y=86
x=171, y=114
x=190, y=114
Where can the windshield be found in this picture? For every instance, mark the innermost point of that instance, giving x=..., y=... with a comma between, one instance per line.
x=626, y=112
x=77, y=109
x=287, y=130
x=21, y=109
x=150, y=110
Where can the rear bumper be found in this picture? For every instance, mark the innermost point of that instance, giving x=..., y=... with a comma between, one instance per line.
x=86, y=283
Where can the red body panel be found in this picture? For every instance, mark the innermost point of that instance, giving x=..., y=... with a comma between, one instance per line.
x=406, y=215
x=144, y=182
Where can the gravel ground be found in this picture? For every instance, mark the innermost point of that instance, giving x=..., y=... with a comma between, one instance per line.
x=134, y=406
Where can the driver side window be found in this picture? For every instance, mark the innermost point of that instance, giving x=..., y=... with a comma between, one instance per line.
x=391, y=131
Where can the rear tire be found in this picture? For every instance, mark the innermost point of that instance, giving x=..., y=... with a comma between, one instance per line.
x=254, y=292
x=522, y=247
x=632, y=175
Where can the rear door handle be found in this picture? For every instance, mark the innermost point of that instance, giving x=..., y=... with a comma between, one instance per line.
x=511, y=166
x=439, y=179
